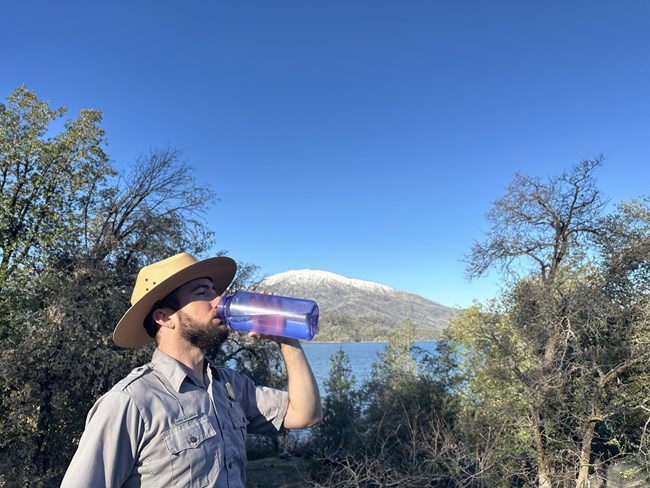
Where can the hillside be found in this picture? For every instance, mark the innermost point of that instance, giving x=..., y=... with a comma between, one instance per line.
x=357, y=310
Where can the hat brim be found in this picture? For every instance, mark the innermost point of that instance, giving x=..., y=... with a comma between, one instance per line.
x=130, y=331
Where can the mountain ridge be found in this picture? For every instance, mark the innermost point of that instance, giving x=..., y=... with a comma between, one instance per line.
x=359, y=310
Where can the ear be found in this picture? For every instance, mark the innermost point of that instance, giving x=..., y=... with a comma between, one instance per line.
x=162, y=318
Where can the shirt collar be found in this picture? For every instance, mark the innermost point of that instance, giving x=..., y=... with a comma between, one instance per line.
x=173, y=370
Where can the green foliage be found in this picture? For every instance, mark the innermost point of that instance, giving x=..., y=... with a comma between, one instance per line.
x=491, y=356
x=48, y=185
x=53, y=374
x=398, y=360
x=338, y=431
x=395, y=430
x=402, y=397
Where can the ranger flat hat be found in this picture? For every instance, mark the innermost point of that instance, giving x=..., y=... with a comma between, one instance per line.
x=158, y=280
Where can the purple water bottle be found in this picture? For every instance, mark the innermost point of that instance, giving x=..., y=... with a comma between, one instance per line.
x=270, y=314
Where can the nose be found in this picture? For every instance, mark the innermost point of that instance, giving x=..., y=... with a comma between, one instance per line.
x=215, y=301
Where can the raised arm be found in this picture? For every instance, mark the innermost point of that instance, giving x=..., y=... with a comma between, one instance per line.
x=304, y=399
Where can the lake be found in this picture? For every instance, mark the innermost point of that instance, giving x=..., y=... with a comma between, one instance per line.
x=362, y=356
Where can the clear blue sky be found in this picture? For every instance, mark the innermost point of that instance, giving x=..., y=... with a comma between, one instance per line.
x=366, y=138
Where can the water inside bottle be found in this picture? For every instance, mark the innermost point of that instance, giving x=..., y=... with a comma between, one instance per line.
x=292, y=325
x=269, y=324
x=298, y=330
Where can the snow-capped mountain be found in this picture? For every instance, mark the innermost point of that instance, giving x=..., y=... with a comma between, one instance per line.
x=352, y=309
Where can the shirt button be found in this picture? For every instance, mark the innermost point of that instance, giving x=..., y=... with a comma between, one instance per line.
x=192, y=439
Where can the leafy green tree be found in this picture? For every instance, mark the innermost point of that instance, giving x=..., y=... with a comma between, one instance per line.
x=337, y=432
x=544, y=365
x=485, y=345
x=48, y=182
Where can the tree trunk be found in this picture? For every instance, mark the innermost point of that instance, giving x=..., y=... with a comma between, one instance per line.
x=585, y=453
x=543, y=468
x=40, y=461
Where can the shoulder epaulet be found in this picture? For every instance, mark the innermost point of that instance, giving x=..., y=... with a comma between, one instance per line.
x=133, y=376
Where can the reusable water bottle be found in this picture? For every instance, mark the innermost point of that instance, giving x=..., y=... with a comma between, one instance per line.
x=270, y=314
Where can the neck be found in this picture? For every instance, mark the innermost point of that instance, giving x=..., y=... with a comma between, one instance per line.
x=189, y=356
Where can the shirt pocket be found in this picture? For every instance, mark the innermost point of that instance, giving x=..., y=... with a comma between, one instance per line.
x=195, y=451
x=237, y=416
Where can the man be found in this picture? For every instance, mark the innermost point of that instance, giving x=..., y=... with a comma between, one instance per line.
x=178, y=420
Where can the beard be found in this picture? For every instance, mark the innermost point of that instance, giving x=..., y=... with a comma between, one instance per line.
x=204, y=336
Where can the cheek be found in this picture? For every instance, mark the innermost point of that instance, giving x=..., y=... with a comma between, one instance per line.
x=201, y=312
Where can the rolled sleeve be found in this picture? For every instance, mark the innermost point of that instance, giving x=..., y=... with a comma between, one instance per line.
x=109, y=445
x=273, y=405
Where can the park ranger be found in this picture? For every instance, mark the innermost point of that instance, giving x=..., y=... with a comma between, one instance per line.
x=179, y=420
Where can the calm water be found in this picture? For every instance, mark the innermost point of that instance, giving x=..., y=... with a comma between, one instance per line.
x=362, y=356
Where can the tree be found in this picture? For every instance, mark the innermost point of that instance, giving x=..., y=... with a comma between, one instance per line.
x=338, y=430
x=399, y=359
x=160, y=189
x=545, y=359
x=46, y=187
x=543, y=223
x=491, y=422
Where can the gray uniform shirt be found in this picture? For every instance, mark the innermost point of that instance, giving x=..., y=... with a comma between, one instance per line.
x=161, y=426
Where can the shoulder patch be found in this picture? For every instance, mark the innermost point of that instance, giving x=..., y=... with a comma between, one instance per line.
x=134, y=375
